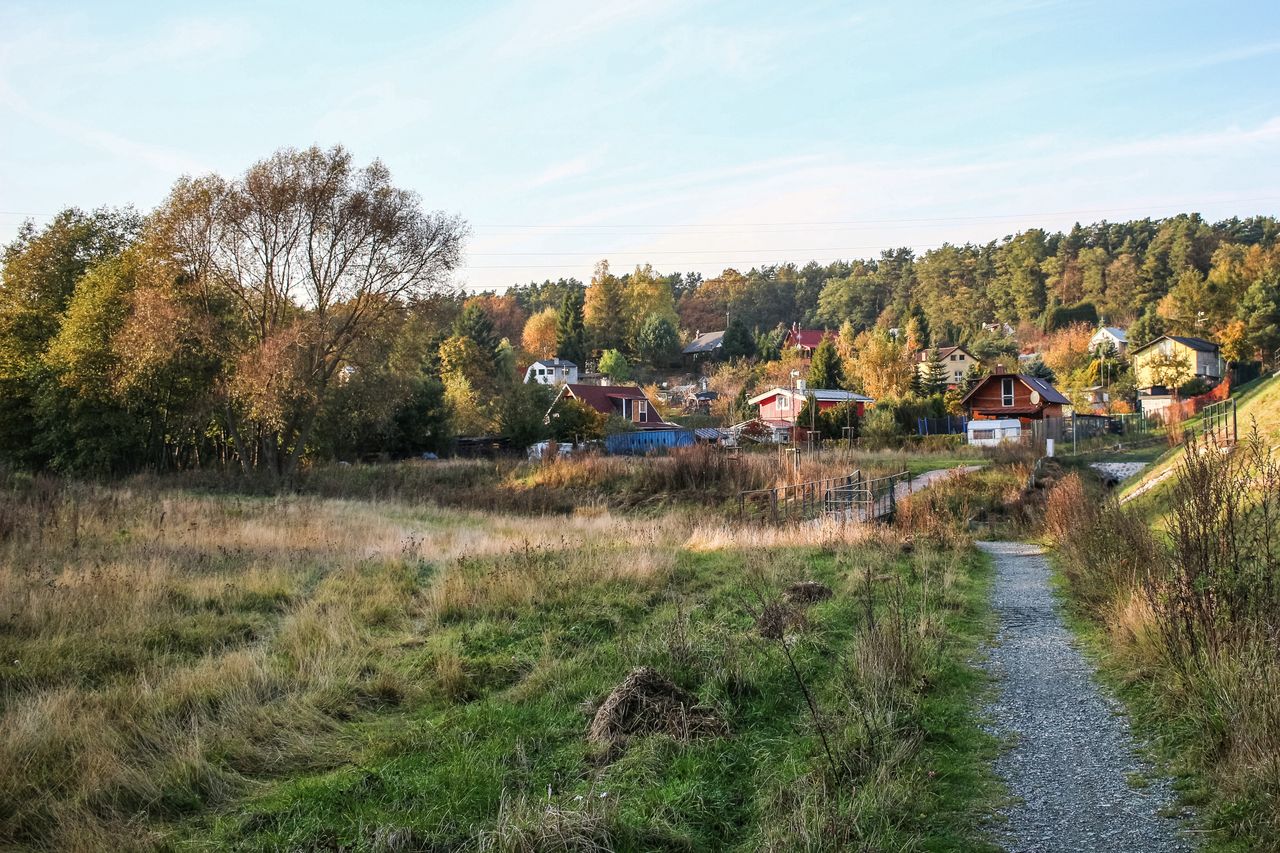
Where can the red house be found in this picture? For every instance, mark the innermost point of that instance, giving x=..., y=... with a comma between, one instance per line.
x=1014, y=395
x=783, y=405
x=625, y=401
x=805, y=341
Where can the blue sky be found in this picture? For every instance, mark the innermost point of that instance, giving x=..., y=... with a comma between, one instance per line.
x=694, y=135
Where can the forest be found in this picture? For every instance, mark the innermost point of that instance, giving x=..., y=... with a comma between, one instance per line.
x=307, y=310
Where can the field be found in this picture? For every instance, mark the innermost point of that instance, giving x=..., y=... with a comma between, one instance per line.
x=187, y=664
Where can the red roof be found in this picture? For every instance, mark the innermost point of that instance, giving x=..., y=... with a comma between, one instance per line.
x=602, y=397
x=808, y=338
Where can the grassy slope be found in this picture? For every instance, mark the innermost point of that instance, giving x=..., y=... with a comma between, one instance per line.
x=1258, y=400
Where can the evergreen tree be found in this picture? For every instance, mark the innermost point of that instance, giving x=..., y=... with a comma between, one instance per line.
x=474, y=323
x=657, y=340
x=935, y=378
x=826, y=369
x=570, y=331
x=1260, y=310
x=738, y=342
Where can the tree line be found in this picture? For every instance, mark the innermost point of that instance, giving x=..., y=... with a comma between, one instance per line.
x=305, y=310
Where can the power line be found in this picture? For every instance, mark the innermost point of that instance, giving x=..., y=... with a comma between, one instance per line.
x=606, y=253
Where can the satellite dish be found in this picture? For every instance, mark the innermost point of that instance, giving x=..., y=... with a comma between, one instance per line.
x=1035, y=398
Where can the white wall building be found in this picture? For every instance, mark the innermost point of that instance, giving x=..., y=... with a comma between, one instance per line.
x=552, y=371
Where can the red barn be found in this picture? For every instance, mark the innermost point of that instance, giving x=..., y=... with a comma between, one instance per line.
x=1014, y=395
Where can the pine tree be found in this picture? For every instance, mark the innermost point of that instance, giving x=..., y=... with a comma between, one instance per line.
x=738, y=342
x=474, y=323
x=826, y=371
x=935, y=373
x=570, y=332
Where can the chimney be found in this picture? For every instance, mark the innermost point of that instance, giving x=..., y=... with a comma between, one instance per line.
x=1000, y=368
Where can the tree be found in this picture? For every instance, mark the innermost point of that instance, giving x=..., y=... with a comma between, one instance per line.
x=615, y=365
x=1037, y=368
x=1145, y=329
x=1170, y=370
x=605, y=310
x=573, y=421
x=738, y=342
x=474, y=323
x=40, y=272
x=315, y=255
x=570, y=332
x=880, y=366
x=539, y=335
x=825, y=370
x=1260, y=310
x=934, y=379
x=656, y=341
x=522, y=413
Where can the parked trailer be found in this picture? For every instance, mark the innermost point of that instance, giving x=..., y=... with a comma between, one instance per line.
x=990, y=433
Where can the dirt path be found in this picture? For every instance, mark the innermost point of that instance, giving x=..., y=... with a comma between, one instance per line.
x=928, y=478
x=1072, y=758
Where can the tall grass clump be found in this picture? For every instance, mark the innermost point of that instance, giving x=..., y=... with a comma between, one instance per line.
x=1192, y=618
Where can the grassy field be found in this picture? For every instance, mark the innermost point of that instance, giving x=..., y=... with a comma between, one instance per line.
x=185, y=667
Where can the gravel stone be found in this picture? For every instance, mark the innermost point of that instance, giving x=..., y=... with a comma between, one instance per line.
x=1072, y=750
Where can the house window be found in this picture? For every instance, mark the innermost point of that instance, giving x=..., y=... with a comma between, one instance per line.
x=783, y=402
x=953, y=356
x=640, y=410
x=960, y=358
x=1006, y=392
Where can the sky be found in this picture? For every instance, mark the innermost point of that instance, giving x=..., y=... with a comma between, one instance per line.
x=692, y=135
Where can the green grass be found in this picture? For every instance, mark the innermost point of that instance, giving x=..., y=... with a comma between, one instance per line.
x=442, y=773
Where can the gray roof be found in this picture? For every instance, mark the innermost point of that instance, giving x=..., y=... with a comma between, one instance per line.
x=1116, y=332
x=1047, y=392
x=1199, y=344
x=706, y=342
x=554, y=362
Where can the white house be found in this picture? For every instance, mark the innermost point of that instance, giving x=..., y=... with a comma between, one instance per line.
x=551, y=371
x=1113, y=334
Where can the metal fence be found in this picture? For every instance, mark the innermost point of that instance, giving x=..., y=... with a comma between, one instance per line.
x=1218, y=422
x=798, y=502
x=1077, y=434
x=946, y=425
x=868, y=500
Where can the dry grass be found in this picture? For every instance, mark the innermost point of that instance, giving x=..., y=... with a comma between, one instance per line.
x=160, y=650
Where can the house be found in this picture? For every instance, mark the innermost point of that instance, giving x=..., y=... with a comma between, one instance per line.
x=625, y=401
x=1200, y=358
x=805, y=341
x=707, y=344
x=1110, y=334
x=957, y=360
x=784, y=404
x=1004, y=395
x=1097, y=398
x=551, y=371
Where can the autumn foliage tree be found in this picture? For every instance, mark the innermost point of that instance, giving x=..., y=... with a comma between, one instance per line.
x=310, y=255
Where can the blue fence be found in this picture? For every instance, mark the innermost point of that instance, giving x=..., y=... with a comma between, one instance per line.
x=941, y=426
x=645, y=441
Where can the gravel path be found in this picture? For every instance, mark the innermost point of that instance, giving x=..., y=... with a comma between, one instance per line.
x=1072, y=753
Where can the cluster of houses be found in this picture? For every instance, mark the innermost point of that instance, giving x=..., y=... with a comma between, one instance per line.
x=997, y=407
